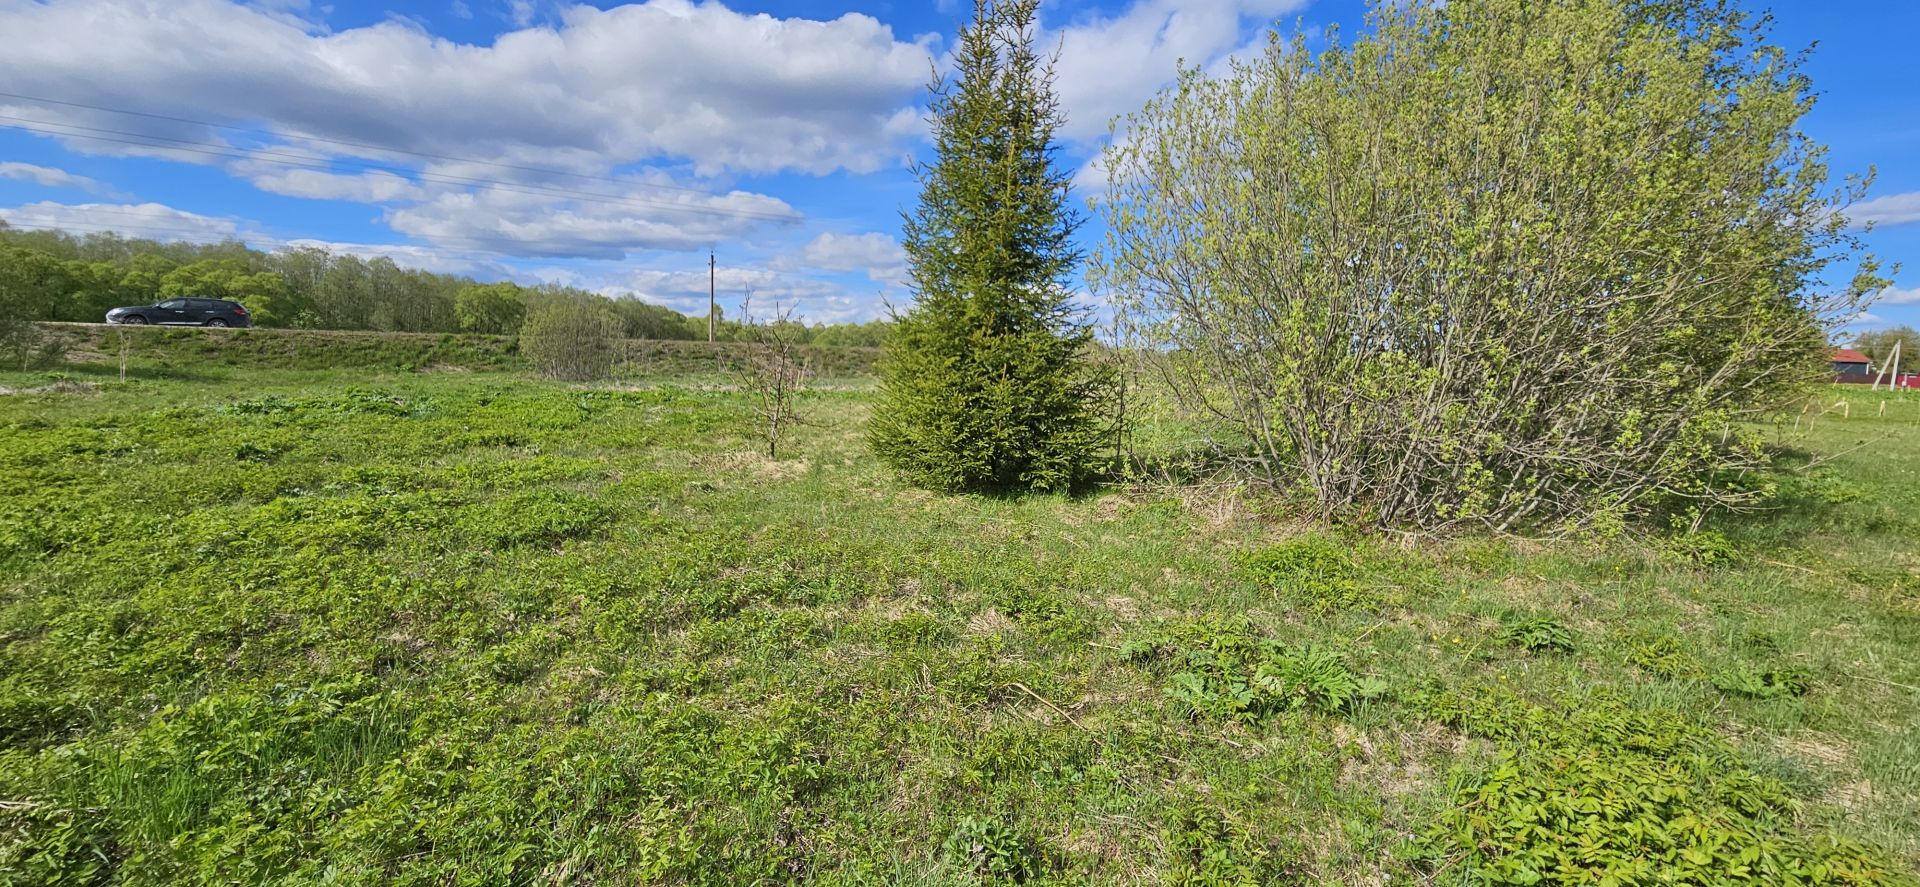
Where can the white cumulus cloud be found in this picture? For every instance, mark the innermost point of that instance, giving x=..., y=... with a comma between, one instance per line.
x=49, y=177
x=877, y=255
x=1893, y=209
x=1110, y=65
x=814, y=301
x=367, y=187
x=522, y=223
x=720, y=89
x=405, y=255
x=148, y=221
x=706, y=91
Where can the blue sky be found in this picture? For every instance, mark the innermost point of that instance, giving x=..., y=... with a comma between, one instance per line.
x=612, y=145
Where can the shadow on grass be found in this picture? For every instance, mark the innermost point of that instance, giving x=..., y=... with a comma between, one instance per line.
x=1807, y=498
x=1174, y=468
x=1190, y=465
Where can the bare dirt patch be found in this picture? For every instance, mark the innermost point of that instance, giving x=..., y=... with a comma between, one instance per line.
x=989, y=621
x=55, y=388
x=1821, y=748
x=753, y=463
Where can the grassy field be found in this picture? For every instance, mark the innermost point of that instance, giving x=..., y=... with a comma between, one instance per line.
x=372, y=626
x=97, y=348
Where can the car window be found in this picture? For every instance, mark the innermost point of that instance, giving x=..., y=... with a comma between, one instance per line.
x=174, y=304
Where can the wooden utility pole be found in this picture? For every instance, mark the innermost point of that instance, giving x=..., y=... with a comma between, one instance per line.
x=710, y=304
x=1893, y=377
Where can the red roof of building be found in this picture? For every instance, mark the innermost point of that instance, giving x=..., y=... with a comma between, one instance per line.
x=1848, y=355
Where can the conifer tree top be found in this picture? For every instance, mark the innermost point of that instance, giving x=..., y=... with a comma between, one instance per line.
x=994, y=227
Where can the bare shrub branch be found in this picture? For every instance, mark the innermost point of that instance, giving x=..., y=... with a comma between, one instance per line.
x=774, y=371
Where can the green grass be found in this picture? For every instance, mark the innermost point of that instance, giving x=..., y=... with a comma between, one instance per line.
x=96, y=349
x=374, y=626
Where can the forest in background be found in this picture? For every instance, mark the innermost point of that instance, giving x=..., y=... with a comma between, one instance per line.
x=52, y=275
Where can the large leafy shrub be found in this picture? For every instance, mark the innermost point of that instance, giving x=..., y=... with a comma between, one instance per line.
x=1496, y=262
x=571, y=340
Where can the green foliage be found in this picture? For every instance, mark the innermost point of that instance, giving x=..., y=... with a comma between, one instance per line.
x=1220, y=668
x=1207, y=849
x=991, y=850
x=914, y=630
x=1665, y=657
x=1878, y=345
x=1316, y=571
x=1556, y=365
x=1702, y=548
x=1593, y=791
x=450, y=628
x=1536, y=634
x=30, y=283
x=492, y=309
x=79, y=277
x=571, y=340
x=986, y=385
x=1048, y=613
x=540, y=517
x=1759, y=682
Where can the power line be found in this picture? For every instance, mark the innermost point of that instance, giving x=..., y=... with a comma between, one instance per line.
x=371, y=147
x=266, y=156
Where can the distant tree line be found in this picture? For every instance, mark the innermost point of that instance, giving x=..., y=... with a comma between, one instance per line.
x=1878, y=345
x=52, y=275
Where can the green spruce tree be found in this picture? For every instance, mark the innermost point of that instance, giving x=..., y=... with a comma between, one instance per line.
x=987, y=385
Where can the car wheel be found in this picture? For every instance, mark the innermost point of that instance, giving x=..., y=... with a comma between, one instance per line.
x=217, y=322
x=134, y=319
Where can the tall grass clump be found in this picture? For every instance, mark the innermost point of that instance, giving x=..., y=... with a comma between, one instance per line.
x=1496, y=262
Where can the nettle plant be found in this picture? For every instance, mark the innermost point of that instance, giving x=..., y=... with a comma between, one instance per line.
x=1590, y=790
x=1496, y=263
x=1536, y=634
x=1223, y=668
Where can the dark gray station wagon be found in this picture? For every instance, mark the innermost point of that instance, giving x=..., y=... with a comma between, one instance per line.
x=185, y=312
